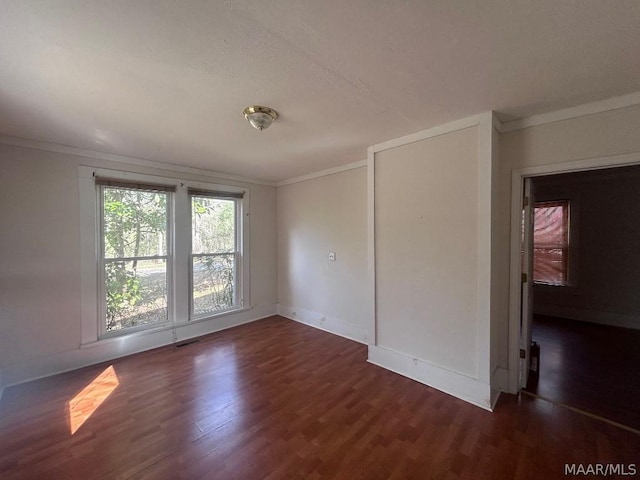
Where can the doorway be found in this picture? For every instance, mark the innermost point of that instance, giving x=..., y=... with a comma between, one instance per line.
x=585, y=312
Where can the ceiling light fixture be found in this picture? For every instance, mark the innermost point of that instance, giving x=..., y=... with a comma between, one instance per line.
x=260, y=117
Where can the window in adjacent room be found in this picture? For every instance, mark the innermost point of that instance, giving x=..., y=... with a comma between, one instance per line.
x=551, y=243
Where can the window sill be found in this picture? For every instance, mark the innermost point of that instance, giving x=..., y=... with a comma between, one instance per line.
x=160, y=328
x=223, y=313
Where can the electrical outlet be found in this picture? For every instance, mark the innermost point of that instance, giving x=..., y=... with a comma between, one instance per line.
x=332, y=256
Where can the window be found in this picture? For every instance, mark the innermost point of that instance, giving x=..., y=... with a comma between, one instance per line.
x=214, y=253
x=551, y=242
x=135, y=232
x=159, y=252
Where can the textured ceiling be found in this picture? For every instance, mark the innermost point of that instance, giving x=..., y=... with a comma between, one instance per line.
x=167, y=80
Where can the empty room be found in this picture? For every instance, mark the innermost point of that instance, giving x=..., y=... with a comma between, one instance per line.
x=585, y=311
x=293, y=239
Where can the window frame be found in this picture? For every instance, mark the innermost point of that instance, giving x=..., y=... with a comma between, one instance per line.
x=238, y=291
x=102, y=260
x=178, y=244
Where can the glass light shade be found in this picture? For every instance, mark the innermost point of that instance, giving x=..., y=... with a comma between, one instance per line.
x=260, y=117
x=260, y=120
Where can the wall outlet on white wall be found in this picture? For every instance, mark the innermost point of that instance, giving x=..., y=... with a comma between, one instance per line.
x=332, y=256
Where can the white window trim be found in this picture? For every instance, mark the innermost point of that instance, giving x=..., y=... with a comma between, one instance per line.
x=238, y=297
x=103, y=333
x=179, y=296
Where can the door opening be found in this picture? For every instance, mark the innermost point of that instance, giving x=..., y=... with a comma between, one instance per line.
x=579, y=272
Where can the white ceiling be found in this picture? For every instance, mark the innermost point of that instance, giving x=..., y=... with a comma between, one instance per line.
x=167, y=80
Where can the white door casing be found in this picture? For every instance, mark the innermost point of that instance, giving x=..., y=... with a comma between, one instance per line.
x=526, y=319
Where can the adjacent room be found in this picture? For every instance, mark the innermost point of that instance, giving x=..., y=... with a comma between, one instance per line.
x=318, y=240
x=586, y=267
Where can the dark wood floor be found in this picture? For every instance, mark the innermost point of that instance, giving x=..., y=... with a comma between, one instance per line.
x=277, y=399
x=591, y=367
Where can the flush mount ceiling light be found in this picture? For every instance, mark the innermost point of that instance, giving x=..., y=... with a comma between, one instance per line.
x=260, y=117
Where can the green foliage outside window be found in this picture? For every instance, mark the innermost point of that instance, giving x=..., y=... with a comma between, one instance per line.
x=213, y=243
x=135, y=225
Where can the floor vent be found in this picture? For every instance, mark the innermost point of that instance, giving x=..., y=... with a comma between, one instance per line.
x=185, y=343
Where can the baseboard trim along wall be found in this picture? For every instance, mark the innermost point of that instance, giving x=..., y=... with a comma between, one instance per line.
x=611, y=319
x=461, y=386
x=120, y=347
x=337, y=326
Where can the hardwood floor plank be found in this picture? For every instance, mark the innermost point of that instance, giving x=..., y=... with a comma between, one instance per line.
x=276, y=399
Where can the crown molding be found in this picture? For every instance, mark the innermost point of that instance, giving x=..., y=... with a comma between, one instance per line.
x=450, y=127
x=112, y=157
x=612, y=103
x=323, y=173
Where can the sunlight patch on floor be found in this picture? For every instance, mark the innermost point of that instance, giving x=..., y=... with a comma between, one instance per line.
x=85, y=403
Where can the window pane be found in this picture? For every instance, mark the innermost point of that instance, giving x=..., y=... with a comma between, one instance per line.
x=213, y=283
x=551, y=242
x=213, y=225
x=136, y=293
x=550, y=228
x=135, y=222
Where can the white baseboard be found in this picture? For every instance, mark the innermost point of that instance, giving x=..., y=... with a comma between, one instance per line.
x=465, y=388
x=593, y=316
x=330, y=324
x=123, y=346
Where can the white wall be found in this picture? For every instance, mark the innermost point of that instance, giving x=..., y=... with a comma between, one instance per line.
x=598, y=135
x=316, y=216
x=426, y=250
x=604, y=260
x=40, y=264
x=433, y=244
